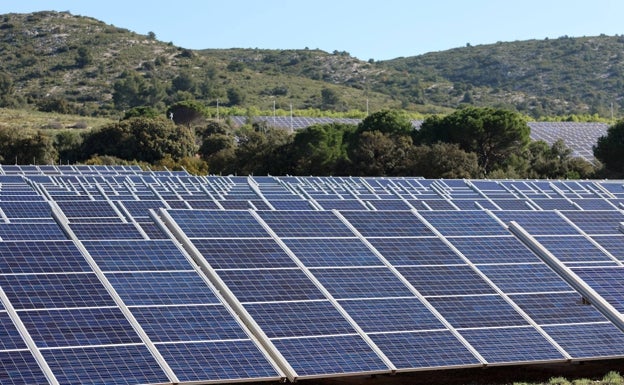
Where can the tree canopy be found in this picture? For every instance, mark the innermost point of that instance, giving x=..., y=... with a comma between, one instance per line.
x=493, y=134
x=141, y=139
x=609, y=149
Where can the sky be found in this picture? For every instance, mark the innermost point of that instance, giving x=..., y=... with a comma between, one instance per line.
x=367, y=29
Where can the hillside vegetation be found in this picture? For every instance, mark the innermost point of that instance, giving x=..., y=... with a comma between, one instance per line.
x=55, y=61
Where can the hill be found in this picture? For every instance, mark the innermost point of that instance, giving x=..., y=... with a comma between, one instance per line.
x=66, y=63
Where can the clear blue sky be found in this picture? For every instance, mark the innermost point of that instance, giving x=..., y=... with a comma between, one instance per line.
x=366, y=29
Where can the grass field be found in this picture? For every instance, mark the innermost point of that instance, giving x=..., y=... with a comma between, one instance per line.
x=36, y=120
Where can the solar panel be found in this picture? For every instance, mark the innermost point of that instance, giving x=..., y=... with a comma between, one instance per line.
x=445, y=280
x=82, y=326
x=217, y=361
x=408, y=283
x=602, y=340
x=514, y=344
x=18, y=367
x=504, y=249
x=125, y=364
x=391, y=314
x=315, y=252
x=387, y=223
x=302, y=224
x=217, y=223
x=425, y=350
x=361, y=283
x=479, y=311
x=451, y=223
x=342, y=354
x=415, y=251
x=243, y=253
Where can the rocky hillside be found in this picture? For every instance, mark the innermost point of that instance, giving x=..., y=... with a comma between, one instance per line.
x=56, y=61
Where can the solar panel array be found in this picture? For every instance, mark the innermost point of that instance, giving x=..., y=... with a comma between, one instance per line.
x=580, y=137
x=119, y=276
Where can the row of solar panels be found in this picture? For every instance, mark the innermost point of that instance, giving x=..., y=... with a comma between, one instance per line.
x=119, y=276
x=580, y=137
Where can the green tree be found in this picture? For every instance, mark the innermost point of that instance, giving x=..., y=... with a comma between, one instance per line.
x=83, y=57
x=330, y=98
x=262, y=152
x=493, y=134
x=609, y=149
x=318, y=149
x=443, y=160
x=188, y=113
x=393, y=122
x=133, y=90
x=235, y=96
x=6, y=90
x=376, y=153
x=141, y=139
x=18, y=147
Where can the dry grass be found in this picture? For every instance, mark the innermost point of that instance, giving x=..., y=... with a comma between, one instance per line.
x=36, y=120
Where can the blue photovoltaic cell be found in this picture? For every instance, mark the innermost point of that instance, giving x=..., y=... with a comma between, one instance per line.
x=243, y=253
x=217, y=224
x=188, y=323
x=464, y=223
x=41, y=257
x=298, y=319
x=71, y=327
x=391, y=314
x=554, y=204
x=291, y=204
x=573, y=249
x=20, y=368
x=538, y=222
x=37, y=291
x=445, y=280
x=387, y=223
x=361, y=282
x=524, y=278
x=87, y=209
x=134, y=255
x=27, y=209
x=329, y=355
x=99, y=231
x=305, y=224
x=203, y=204
x=389, y=204
x=512, y=204
x=31, y=232
x=614, y=244
x=141, y=208
x=332, y=252
x=435, y=349
x=125, y=364
x=219, y=360
x=557, y=308
x=608, y=282
x=507, y=249
x=415, y=251
x=509, y=345
x=477, y=311
x=161, y=288
x=10, y=338
x=596, y=222
x=341, y=204
x=602, y=340
x=152, y=230
x=270, y=285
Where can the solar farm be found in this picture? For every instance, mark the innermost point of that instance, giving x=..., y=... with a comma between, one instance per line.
x=113, y=275
x=578, y=136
